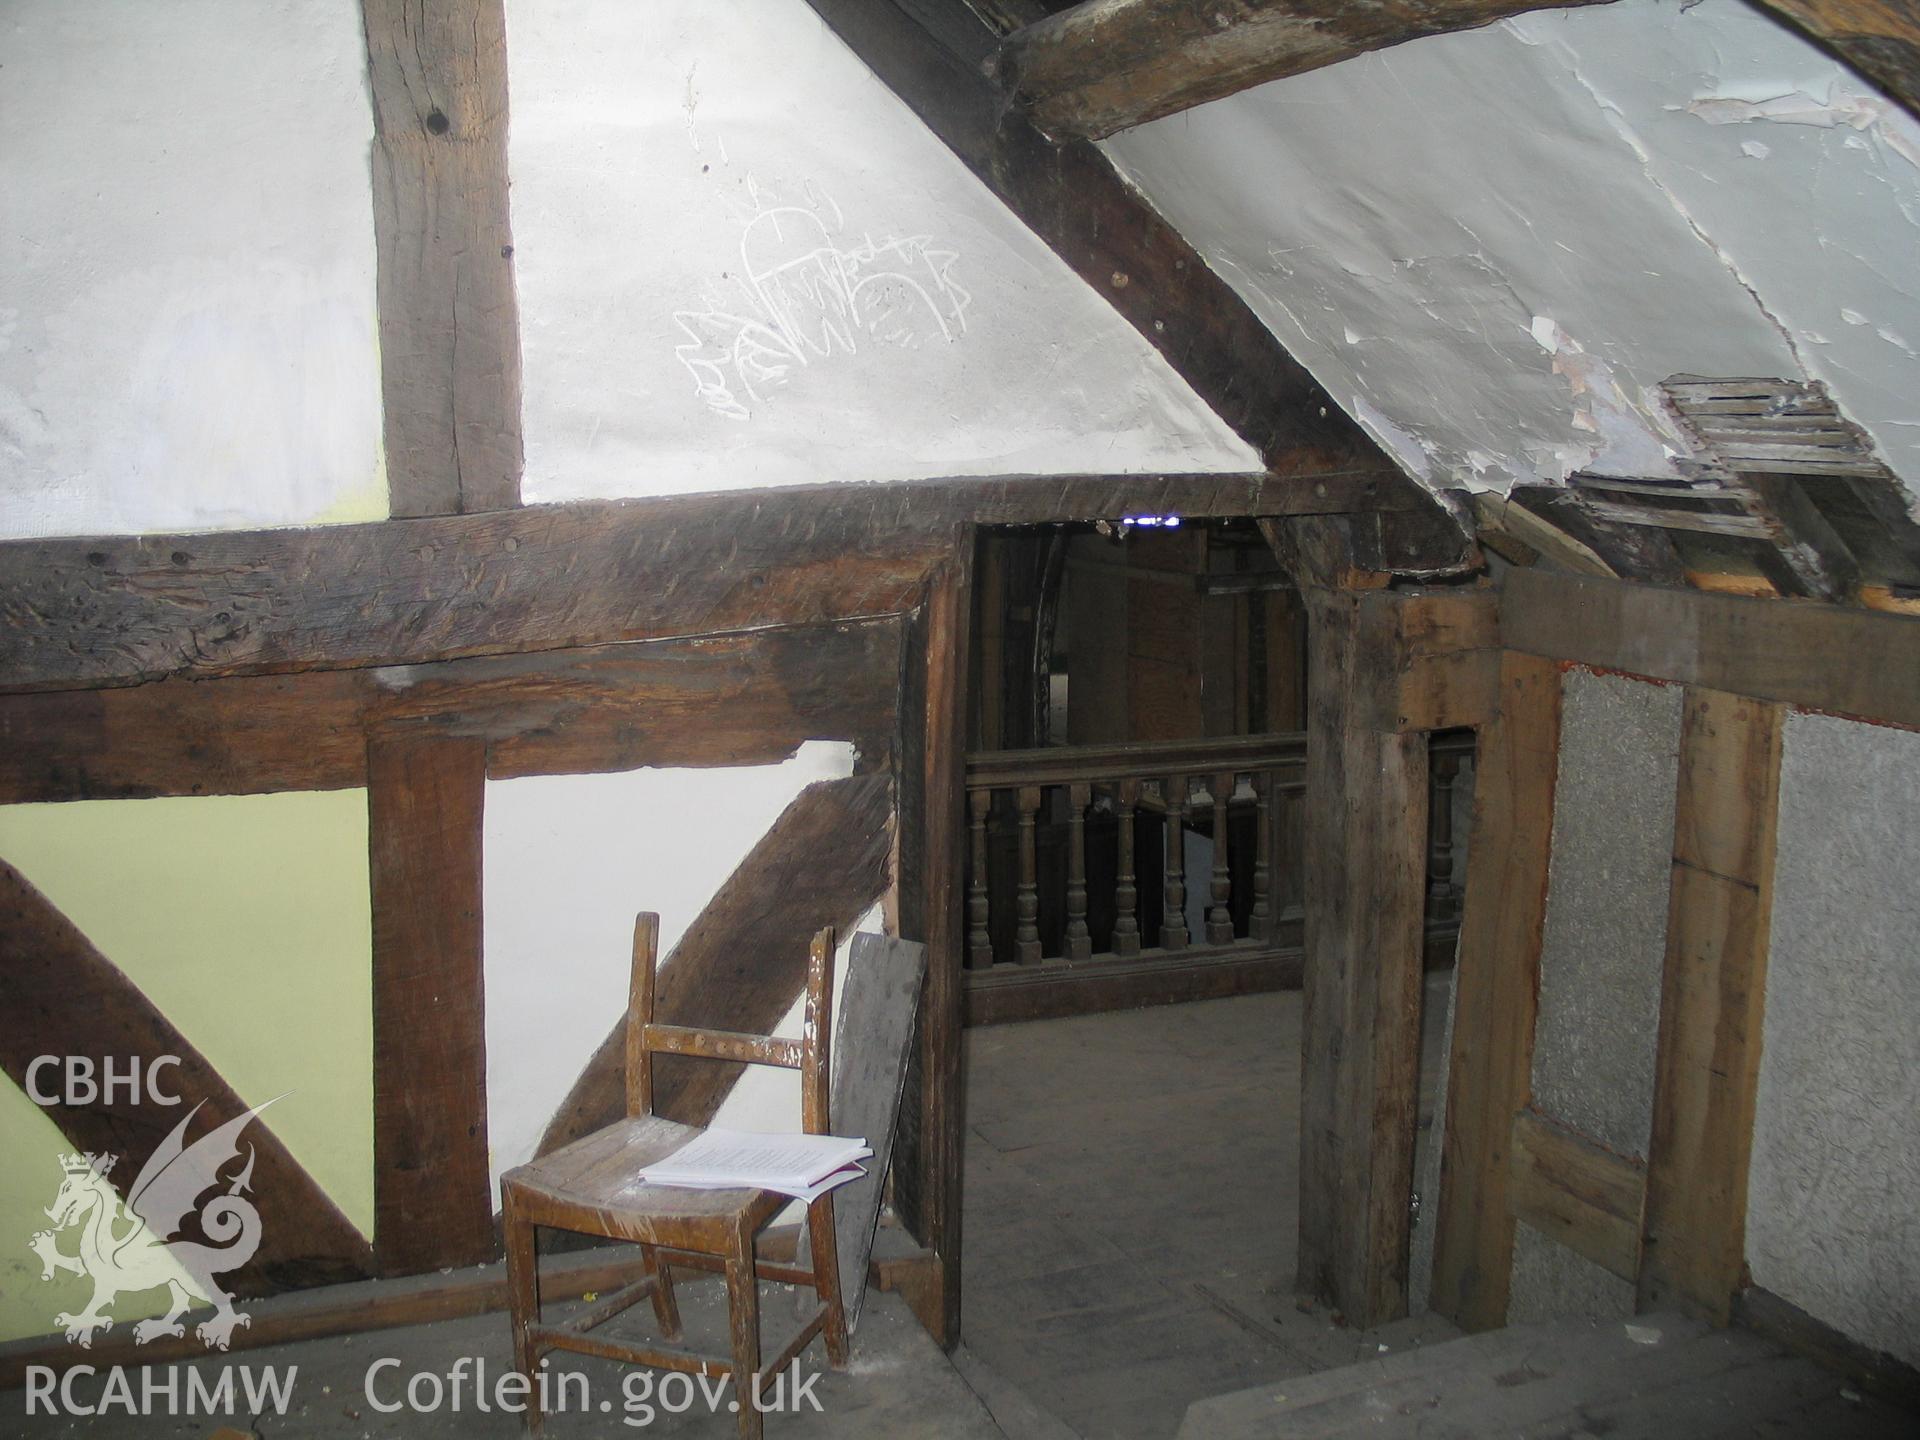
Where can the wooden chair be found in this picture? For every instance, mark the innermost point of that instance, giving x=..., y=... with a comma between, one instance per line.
x=589, y=1187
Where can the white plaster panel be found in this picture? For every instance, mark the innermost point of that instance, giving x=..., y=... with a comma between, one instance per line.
x=1493, y=246
x=569, y=861
x=743, y=262
x=1832, y=1223
x=187, y=331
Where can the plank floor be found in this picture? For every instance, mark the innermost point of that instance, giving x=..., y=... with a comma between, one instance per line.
x=1130, y=1240
x=1131, y=1212
x=1654, y=1378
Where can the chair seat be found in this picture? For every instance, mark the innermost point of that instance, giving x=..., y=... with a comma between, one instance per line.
x=593, y=1179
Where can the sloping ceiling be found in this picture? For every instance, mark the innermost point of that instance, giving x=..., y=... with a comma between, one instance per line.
x=1493, y=246
x=743, y=261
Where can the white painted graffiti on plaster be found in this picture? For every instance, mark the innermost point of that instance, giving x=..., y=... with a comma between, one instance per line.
x=187, y=336
x=1498, y=243
x=806, y=293
x=569, y=861
x=718, y=211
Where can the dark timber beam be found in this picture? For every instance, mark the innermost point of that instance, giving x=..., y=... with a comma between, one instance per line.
x=60, y=996
x=1074, y=200
x=119, y=610
x=1365, y=887
x=432, y=1203
x=1879, y=38
x=449, y=322
x=949, y=615
x=1107, y=65
x=743, y=962
x=741, y=699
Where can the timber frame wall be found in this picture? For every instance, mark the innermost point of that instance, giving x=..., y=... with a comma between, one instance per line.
x=1674, y=1226
x=470, y=637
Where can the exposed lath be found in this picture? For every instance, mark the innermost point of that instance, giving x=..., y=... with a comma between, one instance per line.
x=1773, y=427
x=1776, y=465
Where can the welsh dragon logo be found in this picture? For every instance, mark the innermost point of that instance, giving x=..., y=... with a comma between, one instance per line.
x=125, y=1249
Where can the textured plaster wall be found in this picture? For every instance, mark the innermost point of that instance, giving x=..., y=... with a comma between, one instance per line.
x=187, y=332
x=569, y=861
x=1604, y=941
x=743, y=262
x=1832, y=1222
x=1551, y=1282
x=1493, y=246
x=1602, y=952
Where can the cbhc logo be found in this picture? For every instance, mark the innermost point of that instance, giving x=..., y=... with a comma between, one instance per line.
x=87, y=1084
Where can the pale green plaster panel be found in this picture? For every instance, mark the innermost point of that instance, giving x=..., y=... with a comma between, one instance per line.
x=29, y=1181
x=246, y=920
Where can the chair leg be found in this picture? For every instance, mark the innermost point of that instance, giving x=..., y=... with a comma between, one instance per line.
x=665, y=1309
x=743, y=1311
x=823, y=1241
x=523, y=1299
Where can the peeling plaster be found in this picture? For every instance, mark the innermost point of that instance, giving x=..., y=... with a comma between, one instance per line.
x=1496, y=244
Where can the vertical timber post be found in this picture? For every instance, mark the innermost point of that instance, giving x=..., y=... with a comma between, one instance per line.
x=1365, y=881
x=932, y=908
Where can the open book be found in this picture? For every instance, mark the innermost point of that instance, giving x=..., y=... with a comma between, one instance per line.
x=803, y=1166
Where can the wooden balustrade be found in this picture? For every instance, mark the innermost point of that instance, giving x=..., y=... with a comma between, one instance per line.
x=1078, y=863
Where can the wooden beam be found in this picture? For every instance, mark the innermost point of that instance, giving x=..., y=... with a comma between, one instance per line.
x=1851, y=662
x=449, y=320
x=1365, y=889
x=1435, y=654
x=1107, y=65
x=118, y=610
x=1577, y=1193
x=1712, y=1004
x=1879, y=38
x=725, y=700
x=1527, y=537
x=1074, y=200
x=60, y=996
x=744, y=960
x=1489, y=1076
x=949, y=613
x=432, y=1202
x=1435, y=659
x=1634, y=552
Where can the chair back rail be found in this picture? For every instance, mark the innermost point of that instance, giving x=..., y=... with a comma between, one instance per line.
x=811, y=1054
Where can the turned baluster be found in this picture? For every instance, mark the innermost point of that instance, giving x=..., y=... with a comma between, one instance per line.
x=1173, y=924
x=1126, y=925
x=1260, y=918
x=1079, y=941
x=1219, y=917
x=1026, y=938
x=1446, y=769
x=979, y=942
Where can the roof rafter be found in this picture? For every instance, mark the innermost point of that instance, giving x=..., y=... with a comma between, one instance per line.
x=1106, y=65
x=929, y=52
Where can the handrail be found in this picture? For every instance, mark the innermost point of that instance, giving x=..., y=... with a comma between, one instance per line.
x=1132, y=760
x=1150, y=759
